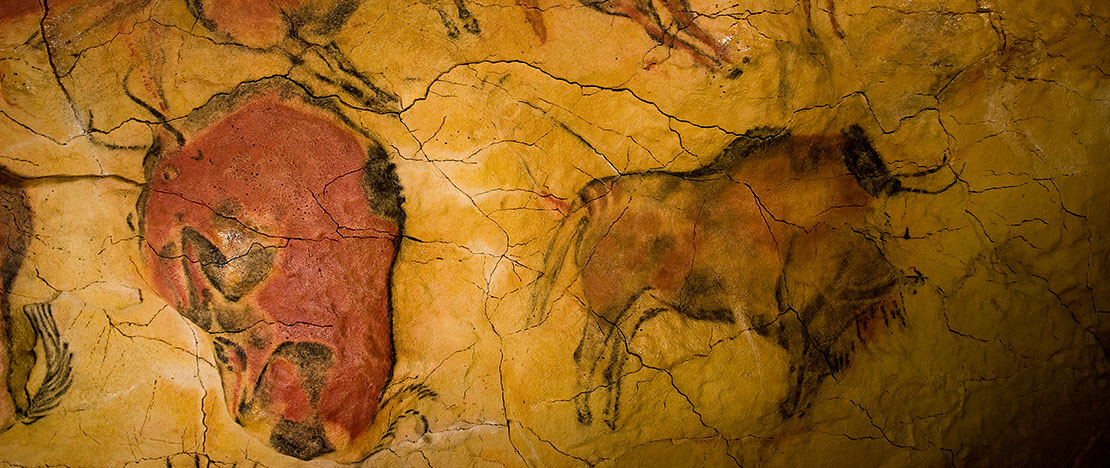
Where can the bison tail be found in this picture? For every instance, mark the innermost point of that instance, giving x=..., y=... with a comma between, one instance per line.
x=590, y=202
x=57, y=355
x=568, y=234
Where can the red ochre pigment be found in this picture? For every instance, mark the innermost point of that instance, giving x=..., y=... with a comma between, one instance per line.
x=764, y=237
x=18, y=8
x=243, y=225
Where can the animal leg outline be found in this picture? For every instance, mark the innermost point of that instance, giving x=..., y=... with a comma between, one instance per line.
x=603, y=351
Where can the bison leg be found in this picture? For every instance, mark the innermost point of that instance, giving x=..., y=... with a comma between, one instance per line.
x=325, y=69
x=680, y=11
x=600, y=358
x=603, y=351
x=617, y=344
x=835, y=290
x=586, y=356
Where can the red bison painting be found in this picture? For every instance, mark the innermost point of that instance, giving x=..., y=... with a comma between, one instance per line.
x=273, y=225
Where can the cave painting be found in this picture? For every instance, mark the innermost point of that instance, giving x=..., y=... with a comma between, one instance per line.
x=807, y=10
x=457, y=9
x=685, y=35
x=20, y=334
x=14, y=232
x=677, y=29
x=766, y=237
x=302, y=31
x=273, y=225
x=305, y=31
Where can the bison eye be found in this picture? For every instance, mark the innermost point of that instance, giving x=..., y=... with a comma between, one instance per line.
x=233, y=277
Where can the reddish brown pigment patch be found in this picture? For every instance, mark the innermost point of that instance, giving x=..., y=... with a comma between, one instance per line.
x=879, y=319
x=269, y=186
x=555, y=202
x=18, y=8
x=288, y=393
x=254, y=23
x=534, y=15
x=764, y=236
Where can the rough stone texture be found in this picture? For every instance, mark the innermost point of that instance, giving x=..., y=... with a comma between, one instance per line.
x=857, y=233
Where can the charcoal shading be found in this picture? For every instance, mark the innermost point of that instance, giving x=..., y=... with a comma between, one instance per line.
x=273, y=224
x=673, y=24
x=21, y=333
x=413, y=398
x=830, y=9
x=57, y=358
x=304, y=32
x=681, y=32
x=457, y=14
x=767, y=238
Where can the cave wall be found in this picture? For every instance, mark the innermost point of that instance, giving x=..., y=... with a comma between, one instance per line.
x=554, y=233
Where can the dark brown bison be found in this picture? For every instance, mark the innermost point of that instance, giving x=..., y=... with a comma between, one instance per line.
x=766, y=237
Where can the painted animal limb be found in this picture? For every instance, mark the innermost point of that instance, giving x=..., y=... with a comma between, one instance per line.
x=808, y=364
x=569, y=234
x=586, y=357
x=469, y=22
x=807, y=10
x=326, y=71
x=834, y=290
x=653, y=26
x=647, y=16
x=603, y=351
x=405, y=404
x=57, y=357
x=680, y=11
x=824, y=335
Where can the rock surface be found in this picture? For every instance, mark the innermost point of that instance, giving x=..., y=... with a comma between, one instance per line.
x=555, y=233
